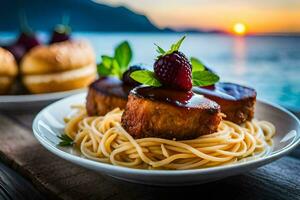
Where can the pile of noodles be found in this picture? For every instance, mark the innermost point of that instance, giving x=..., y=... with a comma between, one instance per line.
x=102, y=138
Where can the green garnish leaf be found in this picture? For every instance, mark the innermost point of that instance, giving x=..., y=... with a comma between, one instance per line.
x=145, y=77
x=174, y=47
x=102, y=70
x=65, y=140
x=123, y=54
x=116, y=69
x=107, y=61
x=159, y=49
x=197, y=65
x=117, y=65
x=204, y=78
x=105, y=67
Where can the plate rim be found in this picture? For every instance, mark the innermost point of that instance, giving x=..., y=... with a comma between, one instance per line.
x=23, y=98
x=120, y=169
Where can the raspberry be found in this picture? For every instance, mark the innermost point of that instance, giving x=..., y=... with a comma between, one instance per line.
x=17, y=50
x=28, y=40
x=174, y=70
x=60, y=33
x=59, y=37
x=126, y=75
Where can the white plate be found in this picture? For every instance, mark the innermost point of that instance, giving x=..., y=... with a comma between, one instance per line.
x=32, y=102
x=49, y=123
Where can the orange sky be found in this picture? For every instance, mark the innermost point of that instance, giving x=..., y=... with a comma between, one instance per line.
x=260, y=16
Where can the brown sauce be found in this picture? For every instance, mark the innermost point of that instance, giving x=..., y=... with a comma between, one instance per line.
x=226, y=91
x=111, y=86
x=187, y=99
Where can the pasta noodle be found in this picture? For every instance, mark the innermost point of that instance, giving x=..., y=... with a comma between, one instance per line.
x=103, y=139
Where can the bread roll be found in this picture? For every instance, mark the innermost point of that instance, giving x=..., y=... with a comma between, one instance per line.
x=8, y=70
x=59, y=67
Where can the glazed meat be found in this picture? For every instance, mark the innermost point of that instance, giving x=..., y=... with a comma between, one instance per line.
x=237, y=102
x=105, y=94
x=163, y=113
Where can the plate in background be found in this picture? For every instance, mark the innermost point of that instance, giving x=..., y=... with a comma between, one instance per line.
x=32, y=102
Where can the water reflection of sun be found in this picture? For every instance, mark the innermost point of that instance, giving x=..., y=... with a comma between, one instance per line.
x=239, y=29
x=239, y=56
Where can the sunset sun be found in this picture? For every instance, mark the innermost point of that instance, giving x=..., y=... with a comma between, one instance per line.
x=239, y=29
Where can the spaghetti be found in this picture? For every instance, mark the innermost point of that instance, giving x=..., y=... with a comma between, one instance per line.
x=103, y=139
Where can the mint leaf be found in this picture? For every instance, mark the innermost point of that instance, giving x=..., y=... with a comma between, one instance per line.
x=123, y=54
x=159, y=49
x=65, y=140
x=103, y=70
x=145, y=77
x=197, y=65
x=107, y=61
x=204, y=78
x=115, y=66
x=116, y=69
x=176, y=46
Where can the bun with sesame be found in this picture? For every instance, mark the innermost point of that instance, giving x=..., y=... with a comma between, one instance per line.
x=58, y=67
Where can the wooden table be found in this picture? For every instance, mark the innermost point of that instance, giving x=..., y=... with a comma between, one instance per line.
x=31, y=172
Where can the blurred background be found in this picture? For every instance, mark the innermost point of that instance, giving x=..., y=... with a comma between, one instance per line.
x=255, y=43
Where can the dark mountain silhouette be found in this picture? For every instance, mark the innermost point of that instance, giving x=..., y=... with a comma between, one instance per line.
x=196, y=30
x=85, y=15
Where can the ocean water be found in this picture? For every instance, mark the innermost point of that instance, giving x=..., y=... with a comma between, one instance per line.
x=271, y=65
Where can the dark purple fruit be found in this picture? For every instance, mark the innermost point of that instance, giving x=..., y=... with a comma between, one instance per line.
x=174, y=70
x=126, y=76
x=61, y=33
x=28, y=40
x=17, y=50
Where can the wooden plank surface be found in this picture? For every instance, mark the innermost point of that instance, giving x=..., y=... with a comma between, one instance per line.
x=58, y=179
x=13, y=186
